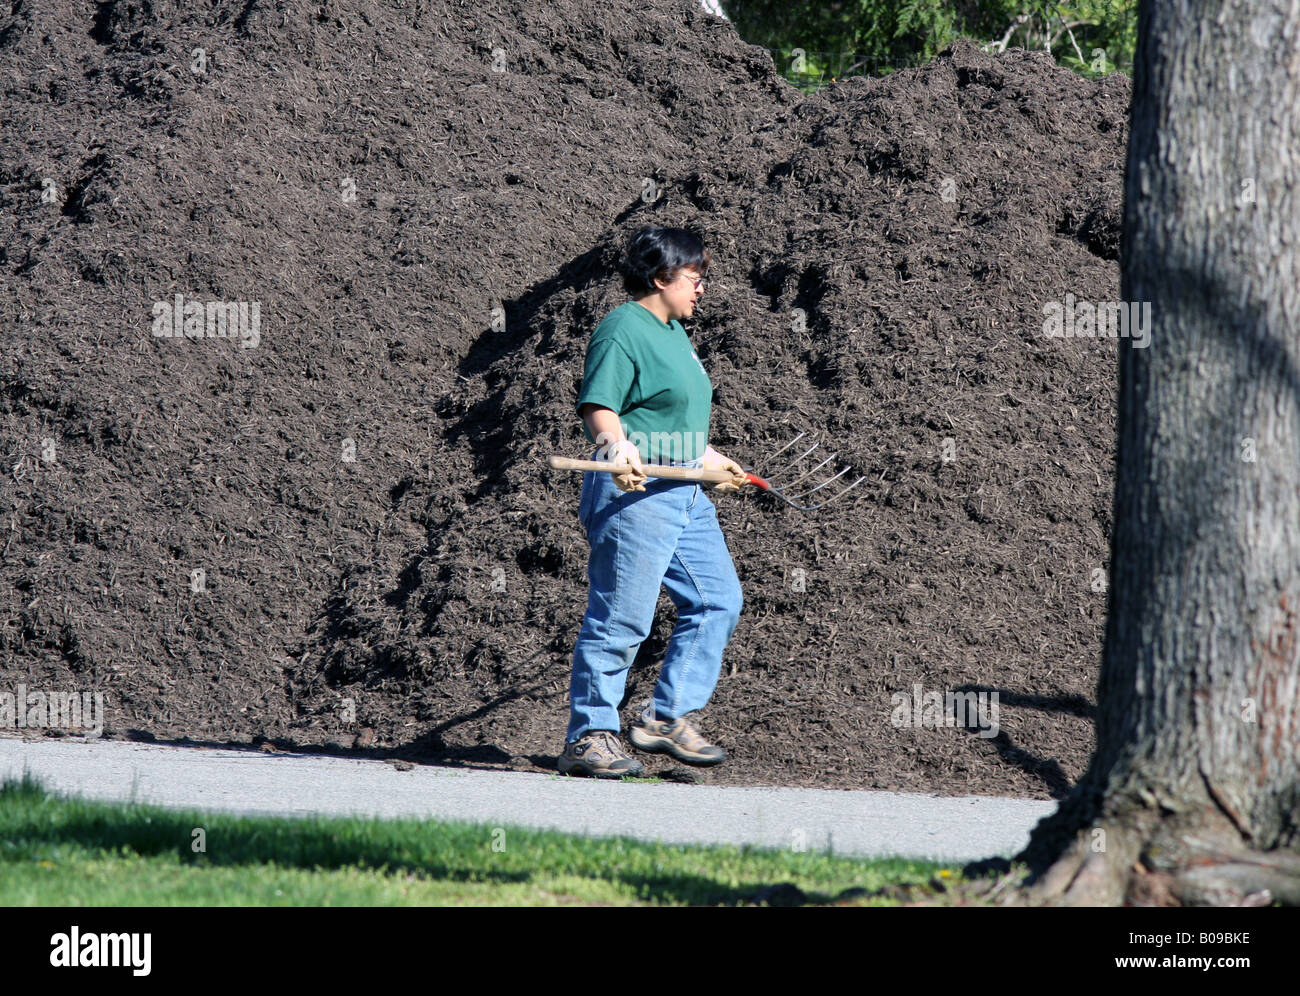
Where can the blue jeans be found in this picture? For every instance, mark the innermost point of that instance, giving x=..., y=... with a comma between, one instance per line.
x=669, y=535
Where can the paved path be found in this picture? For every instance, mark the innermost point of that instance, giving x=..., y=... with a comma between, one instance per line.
x=255, y=783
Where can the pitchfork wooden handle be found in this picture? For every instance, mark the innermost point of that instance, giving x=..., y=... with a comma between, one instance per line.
x=651, y=469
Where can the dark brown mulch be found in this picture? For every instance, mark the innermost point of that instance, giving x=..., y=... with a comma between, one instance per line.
x=421, y=600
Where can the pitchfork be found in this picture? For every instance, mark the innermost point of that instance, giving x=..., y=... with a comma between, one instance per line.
x=785, y=492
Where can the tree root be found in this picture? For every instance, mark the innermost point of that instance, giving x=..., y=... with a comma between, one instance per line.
x=1146, y=862
x=1246, y=879
x=1083, y=875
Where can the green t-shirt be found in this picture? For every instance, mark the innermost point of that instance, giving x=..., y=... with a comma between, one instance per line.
x=647, y=372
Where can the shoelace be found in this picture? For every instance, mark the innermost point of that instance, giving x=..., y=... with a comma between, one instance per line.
x=610, y=743
x=690, y=736
x=681, y=730
x=687, y=734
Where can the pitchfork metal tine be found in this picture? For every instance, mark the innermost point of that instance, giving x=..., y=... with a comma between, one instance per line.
x=795, y=462
x=843, y=491
x=785, y=491
x=788, y=445
x=811, y=472
x=839, y=494
x=826, y=482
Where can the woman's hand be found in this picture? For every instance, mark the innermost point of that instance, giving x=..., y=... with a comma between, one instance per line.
x=713, y=460
x=624, y=451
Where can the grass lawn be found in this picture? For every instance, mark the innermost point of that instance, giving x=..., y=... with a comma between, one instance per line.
x=69, y=852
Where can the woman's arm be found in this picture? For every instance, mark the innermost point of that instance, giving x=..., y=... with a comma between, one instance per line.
x=607, y=430
x=602, y=420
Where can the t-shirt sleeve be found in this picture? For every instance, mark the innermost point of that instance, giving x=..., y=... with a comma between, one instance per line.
x=608, y=377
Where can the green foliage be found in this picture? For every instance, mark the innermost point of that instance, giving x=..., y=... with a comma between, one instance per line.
x=931, y=24
x=817, y=42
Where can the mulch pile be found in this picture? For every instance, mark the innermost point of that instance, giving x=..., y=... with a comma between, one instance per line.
x=426, y=203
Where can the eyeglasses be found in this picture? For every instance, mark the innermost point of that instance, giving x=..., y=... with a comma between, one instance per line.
x=697, y=281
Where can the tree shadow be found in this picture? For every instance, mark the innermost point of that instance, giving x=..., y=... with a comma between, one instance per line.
x=1046, y=770
x=452, y=853
x=430, y=748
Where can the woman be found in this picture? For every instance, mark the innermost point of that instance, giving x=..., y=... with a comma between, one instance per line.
x=645, y=396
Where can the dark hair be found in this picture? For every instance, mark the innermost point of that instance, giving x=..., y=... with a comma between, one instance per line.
x=661, y=252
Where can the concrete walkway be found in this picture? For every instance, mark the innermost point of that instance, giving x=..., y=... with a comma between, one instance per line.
x=255, y=783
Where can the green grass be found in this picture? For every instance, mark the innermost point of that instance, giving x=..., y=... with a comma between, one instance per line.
x=70, y=852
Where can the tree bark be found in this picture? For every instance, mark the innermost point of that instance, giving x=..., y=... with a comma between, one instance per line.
x=1192, y=796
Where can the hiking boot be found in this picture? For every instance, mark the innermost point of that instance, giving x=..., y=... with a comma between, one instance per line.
x=598, y=754
x=676, y=737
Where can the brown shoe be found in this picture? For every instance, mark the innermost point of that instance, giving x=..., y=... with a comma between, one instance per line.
x=676, y=737
x=598, y=754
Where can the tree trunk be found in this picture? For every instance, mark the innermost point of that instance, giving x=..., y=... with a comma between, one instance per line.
x=1192, y=796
